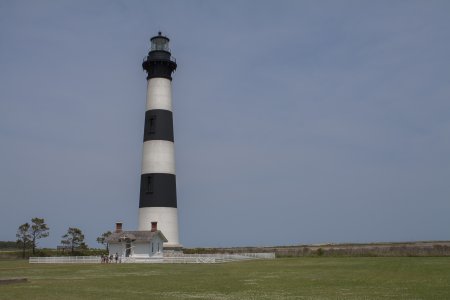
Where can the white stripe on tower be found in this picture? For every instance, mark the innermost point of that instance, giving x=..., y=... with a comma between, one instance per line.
x=158, y=156
x=158, y=201
x=159, y=94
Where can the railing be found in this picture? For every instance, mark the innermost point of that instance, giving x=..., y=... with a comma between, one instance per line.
x=201, y=258
x=260, y=255
x=182, y=259
x=170, y=59
x=190, y=260
x=230, y=256
x=65, y=260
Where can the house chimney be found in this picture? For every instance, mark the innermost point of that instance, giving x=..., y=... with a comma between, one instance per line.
x=154, y=226
x=118, y=227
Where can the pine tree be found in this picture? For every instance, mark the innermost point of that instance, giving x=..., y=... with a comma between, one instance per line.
x=38, y=230
x=102, y=239
x=74, y=238
x=24, y=239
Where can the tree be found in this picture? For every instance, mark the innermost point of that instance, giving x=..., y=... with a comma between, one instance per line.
x=38, y=230
x=73, y=238
x=102, y=239
x=23, y=237
x=83, y=246
x=66, y=244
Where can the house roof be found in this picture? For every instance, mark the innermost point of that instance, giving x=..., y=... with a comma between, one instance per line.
x=134, y=236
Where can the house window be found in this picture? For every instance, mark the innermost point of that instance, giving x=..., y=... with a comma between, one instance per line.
x=150, y=185
x=158, y=247
x=152, y=247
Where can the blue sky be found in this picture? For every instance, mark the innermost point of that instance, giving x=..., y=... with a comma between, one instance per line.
x=295, y=121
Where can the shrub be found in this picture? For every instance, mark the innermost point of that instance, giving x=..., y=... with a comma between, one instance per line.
x=319, y=252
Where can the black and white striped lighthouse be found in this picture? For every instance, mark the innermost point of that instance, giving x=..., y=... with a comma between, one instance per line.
x=158, y=196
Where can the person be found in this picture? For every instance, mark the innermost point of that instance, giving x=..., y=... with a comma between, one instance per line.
x=111, y=258
x=116, y=257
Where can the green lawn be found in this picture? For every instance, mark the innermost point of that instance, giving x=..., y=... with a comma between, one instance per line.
x=287, y=278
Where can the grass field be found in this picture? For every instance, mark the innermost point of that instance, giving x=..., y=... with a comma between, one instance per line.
x=287, y=278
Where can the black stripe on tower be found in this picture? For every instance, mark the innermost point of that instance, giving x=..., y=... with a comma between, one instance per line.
x=158, y=125
x=158, y=190
x=159, y=63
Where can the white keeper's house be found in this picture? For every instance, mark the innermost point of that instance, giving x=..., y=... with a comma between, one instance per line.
x=136, y=244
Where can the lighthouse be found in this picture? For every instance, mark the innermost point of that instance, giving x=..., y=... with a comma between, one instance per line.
x=158, y=195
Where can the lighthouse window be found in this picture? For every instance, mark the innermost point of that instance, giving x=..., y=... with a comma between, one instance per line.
x=152, y=124
x=149, y=184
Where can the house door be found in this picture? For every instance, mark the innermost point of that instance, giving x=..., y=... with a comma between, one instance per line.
x=128, y=249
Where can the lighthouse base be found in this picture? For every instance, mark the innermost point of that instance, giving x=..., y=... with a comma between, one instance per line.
x=167, y=222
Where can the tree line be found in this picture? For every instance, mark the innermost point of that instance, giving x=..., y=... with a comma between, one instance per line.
x=28, y=235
